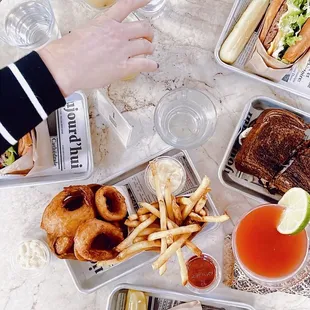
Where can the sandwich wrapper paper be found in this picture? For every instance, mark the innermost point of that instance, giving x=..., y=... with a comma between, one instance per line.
x=235, y=278
x=262, y=64
x=39, y=157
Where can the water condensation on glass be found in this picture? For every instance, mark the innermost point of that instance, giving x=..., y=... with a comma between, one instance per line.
x=29, y=24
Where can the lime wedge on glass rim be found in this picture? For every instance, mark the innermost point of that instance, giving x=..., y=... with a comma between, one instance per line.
x=296, y=215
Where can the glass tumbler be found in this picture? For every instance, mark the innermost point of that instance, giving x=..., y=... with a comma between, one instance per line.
x=152, y=9
x=27, y=24
x=281, y=282
x=99, y=4
x=185, y=118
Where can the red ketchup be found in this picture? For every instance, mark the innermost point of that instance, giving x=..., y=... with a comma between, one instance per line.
x=201, y=271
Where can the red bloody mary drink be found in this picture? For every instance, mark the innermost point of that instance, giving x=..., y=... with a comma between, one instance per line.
x=261, y=250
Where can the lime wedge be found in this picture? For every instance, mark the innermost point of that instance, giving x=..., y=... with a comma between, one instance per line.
x=296, y=216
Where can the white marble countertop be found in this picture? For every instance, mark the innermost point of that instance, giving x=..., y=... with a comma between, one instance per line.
x=186, y=36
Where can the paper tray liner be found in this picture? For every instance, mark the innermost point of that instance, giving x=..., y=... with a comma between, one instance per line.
x=235, y=278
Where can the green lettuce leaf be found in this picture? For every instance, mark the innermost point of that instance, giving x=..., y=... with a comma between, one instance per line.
x=293, y=22
x=9, y=156
x=291, y=40
x=301, y=4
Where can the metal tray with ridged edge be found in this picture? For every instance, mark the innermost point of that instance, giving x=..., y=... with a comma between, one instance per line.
x=238, y=8
x=228, y=174
x=159, y=299
x=74, y=116
x=87, y=276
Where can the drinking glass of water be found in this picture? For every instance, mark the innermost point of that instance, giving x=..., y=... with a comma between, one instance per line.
x=185, y=118
x=152, y=9
x=27, y=23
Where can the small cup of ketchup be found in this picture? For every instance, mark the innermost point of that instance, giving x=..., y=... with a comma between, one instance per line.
x=204, y=274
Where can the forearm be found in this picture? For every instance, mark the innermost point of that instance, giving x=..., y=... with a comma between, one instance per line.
x=28, y=94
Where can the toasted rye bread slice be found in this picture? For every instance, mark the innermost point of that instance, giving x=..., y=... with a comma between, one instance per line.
x=296, y=175
x=273, y=140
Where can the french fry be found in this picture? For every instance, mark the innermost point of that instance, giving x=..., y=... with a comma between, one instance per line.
x=169, y=240
x=183, y=268
x=195, y=197
x=154, y=225
x=164, y=257
x=132, y=223
x=142, y=211
x=194, y=248
x=202, y=212
x=196, y=217
x=174, y=232
x=128, y=241
x=137, y=248
x=176, y=212
x=216, y=219
x=120, y=259
x=201, y=202
x=171, y=225
x=181, y=207
x=144, y=217
x=139, y=239
x=162, y=211
x=110, y=262
x=148, y=231
x=209, y=219
x=133, y=217
x=168, y=199
x=183, y=200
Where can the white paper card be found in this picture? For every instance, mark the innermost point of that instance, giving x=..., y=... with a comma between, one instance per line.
x=114, y=118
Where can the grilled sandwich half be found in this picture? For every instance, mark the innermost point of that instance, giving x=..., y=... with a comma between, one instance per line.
x=275, y=138
x=297, y=174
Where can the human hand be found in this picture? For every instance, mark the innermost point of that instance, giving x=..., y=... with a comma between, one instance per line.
x=101, y=52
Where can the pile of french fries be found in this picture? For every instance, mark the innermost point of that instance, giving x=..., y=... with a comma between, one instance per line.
x=166, y=226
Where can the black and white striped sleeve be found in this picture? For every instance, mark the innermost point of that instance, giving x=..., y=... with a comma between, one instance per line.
x=28, y=94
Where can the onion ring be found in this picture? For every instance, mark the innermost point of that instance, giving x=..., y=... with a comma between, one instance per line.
x=94, y=187
x=85, y=244
x=110, y=204
x=59, y=220
x=62, y=246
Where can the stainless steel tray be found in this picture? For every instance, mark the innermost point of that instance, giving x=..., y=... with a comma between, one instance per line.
x=49, y=176
x=88, y=277
x=228, y=174
x=235, y=13
x=171, y=298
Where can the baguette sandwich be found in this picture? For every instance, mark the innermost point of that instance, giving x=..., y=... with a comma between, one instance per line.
x=286, y=29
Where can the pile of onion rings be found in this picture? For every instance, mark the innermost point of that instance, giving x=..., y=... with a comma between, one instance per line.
x=85, y=222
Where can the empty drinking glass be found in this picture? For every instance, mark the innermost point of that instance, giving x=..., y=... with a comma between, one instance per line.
x=152, y=9
x=27, y=24
x=185, y=118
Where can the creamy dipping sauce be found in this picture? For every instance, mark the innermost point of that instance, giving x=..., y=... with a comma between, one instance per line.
x=168, y=168
x=32, y=254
